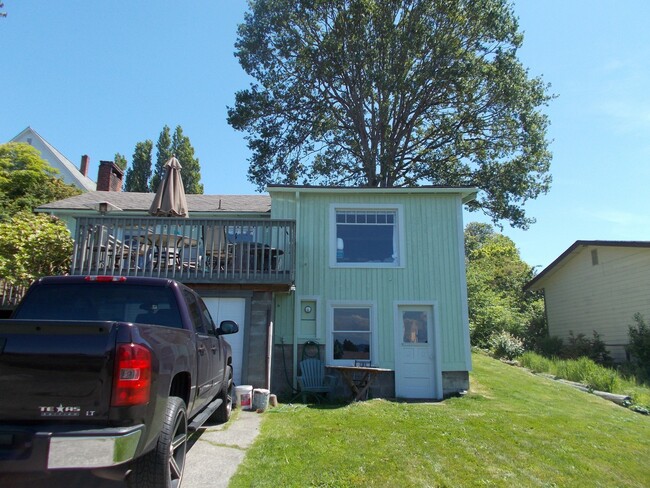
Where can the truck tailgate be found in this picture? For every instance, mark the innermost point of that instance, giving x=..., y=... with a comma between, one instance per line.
x=44, y=376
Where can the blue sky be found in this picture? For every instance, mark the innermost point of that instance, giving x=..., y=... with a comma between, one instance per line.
x=96, y=77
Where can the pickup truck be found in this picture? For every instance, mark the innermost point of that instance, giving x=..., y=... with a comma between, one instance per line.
x=110, y=374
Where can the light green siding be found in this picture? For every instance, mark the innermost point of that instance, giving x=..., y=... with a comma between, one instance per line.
x=432, y=269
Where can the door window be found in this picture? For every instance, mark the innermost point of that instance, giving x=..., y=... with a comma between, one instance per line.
x=415, y=327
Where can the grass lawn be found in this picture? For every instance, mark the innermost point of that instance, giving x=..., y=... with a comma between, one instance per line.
x=513, y=429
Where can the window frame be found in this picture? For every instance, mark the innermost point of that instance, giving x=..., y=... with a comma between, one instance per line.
x=372, y=308
x=398, y=234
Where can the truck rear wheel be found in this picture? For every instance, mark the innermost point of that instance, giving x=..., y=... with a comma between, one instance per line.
x=163, y=466
x=222, y=414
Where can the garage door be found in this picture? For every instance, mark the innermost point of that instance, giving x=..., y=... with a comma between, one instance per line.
x=231, y=309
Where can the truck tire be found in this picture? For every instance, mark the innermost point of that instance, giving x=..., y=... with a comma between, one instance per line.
x=222, y=414
x=163, y=466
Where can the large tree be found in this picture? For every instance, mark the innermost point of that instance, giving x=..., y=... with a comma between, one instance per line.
x=27, y=180
x=496, y=276
x=163, y=153
x=191, y=172
x=137, y=176
x=393, y=93
x=178, y=145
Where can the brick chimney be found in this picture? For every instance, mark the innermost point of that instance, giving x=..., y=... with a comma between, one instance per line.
x=109, y=177
x=85, y=163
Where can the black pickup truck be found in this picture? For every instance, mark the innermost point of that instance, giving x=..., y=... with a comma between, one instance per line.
x=110, y=374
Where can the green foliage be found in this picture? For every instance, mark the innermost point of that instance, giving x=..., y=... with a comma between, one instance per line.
x=581, y=370
x=137, y=176
x=27, y=180
x=387, y=93
x=32, y=246
x=168, y=145
x=535, y=362
x=639, y=346
x=584, y=370
x=549, y=346
x=496, y=276
x=120, y=161
x=184, y=152
x=580, y=346
x=505, y=346
x=163, y=154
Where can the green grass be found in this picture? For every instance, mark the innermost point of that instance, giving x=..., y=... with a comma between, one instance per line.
x=585, y=371
x=513, y=429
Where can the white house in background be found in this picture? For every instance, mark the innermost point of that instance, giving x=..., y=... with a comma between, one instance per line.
x=597, y=286
x=67, y=170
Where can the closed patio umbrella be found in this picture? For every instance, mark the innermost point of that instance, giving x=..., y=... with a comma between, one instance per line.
x=170, y=200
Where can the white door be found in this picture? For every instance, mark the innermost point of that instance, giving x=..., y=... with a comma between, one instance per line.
x=415, y=362
x=230, y=309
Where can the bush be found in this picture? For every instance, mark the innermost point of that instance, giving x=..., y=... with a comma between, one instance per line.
x=550, y=346
x=639, y=347
x=505, y=346
x=594, y=349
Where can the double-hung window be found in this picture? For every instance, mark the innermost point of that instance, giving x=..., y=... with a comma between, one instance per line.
x=351, y=334
x=366, y=236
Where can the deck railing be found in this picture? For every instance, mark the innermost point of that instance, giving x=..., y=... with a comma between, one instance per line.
x=10, y=294
x=237, y=251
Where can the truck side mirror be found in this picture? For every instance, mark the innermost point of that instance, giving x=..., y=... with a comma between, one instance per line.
x=228, y=327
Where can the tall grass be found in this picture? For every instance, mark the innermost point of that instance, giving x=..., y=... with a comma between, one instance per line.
x=584, y=370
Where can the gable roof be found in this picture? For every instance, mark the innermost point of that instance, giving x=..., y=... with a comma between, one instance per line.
x=140, y=203
x=67, y=170
x=537, y=282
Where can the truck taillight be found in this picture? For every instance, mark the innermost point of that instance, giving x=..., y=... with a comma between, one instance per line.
x=132, y=381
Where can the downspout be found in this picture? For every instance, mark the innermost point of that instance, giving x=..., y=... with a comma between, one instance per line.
x=295, y=307
x=269, y=344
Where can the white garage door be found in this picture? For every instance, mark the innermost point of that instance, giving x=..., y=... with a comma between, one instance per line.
x=231, y=309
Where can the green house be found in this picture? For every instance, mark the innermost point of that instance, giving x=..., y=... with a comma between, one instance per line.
x=379, y=278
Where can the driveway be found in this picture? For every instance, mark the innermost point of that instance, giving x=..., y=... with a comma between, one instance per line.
x=214, y=455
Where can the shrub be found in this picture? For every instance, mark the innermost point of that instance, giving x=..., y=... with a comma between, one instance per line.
x=579, y=346
x=639, y=347
x=505, y=346
x=550, y=346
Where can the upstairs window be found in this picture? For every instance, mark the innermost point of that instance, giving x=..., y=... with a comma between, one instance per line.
x=366, y=237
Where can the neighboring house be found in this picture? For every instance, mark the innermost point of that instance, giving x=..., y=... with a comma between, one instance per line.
x=68, y=172
x=370, y=274
x=597, y=286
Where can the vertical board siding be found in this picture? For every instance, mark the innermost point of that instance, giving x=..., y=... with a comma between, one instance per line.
x=431, y=273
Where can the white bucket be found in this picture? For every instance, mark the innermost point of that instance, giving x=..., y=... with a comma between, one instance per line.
x=260, y=399
x=244, y=396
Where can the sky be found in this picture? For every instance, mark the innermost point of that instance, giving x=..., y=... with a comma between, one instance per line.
x=97, y=77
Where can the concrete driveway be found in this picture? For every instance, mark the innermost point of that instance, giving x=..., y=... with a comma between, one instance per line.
x=214, y=455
